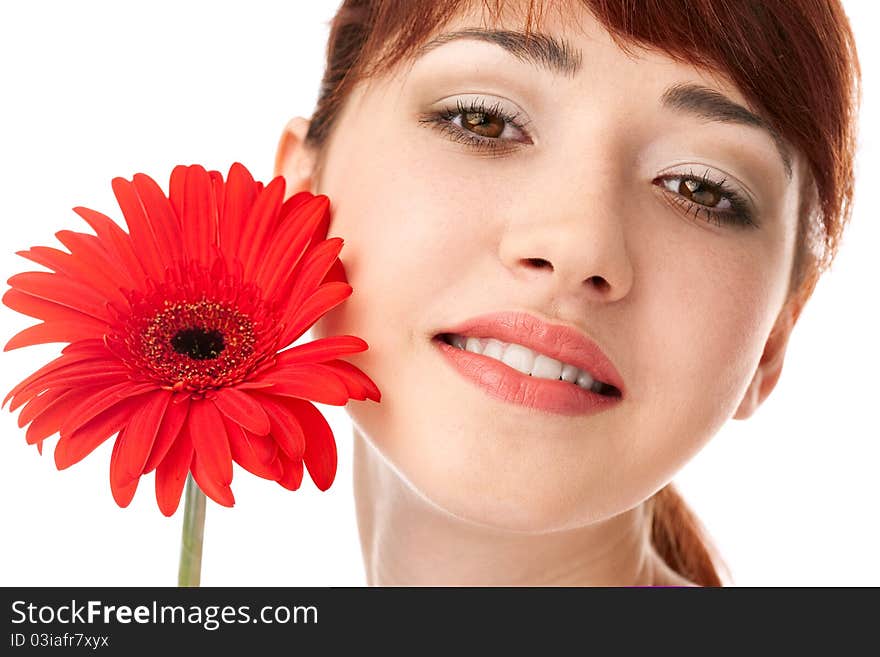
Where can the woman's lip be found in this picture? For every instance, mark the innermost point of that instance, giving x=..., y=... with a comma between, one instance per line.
x=564, y=343
x=502, y=382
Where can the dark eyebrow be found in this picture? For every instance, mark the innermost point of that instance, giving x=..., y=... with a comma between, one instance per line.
x=540, y=50
x=712, y=105
x=559, y=57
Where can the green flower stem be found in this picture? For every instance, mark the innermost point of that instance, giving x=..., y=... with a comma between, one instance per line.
x=190, y=570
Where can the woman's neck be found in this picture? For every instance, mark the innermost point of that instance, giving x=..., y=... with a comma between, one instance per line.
x=406, y=541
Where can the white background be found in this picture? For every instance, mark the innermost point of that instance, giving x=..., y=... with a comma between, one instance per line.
x=94, y=90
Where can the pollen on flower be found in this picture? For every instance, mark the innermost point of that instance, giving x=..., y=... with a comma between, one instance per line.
x=198, y=343
x=196, y=336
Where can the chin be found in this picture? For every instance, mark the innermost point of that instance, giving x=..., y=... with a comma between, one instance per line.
x=505, y=504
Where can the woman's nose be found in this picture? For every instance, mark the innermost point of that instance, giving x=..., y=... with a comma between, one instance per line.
x=574, y=244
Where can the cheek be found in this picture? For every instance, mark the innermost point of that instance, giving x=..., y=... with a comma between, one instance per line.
x=704, y=328
x=405, y=245
x=411, y=230
x=697, y=336
x=720, y=333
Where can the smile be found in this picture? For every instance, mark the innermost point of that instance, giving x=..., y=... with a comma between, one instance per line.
x=500, y=381
x=529, y=362
x=521, y=359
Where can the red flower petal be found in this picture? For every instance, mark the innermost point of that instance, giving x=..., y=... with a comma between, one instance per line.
x=62, y=290
x=260, y=226
x=323, y=299
x=141, y=433
x=314, y=267
x=243, y=409
x=354, y=387
x=286, y=429
x=321, y=349
x=210, y=441
x=139, y=228
x=71, y=376
x=295, y=235
x=171, y=473
x=101, y=399
x=238, y=199
x=38, y=404
x=50, y=420
x=74, y=447
x=68, y=358
x=104, y=266
x=164, y=222
x=199, y=220
x=336, y=273
x=91, y=347
x=360, y=386
x=176, y=184
x=48, y=310
x=320, y=454
x=292, y=475
x=112, y=374
x=296, y=204
x=169, y=431
x=117, y=242
x=210, y=485
x=265, y=447
x=70, y=330
x=308, y=382
x=76, y=268
x=122, y=487
x=217, y=186
x=257, y=456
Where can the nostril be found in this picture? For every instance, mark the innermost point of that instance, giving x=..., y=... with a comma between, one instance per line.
x=598, y=282
x=540, y=263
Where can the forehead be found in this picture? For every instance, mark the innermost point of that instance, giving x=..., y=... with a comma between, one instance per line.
x=563, y=31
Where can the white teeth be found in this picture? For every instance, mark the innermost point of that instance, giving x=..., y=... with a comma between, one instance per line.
x=474, y=345
x=494, y=348
x=525, y=360
x=519, y=358
x=570, y=373
x=584, y=380
x=546, y=368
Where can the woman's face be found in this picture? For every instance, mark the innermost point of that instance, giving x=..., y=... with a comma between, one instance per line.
x=570, y=222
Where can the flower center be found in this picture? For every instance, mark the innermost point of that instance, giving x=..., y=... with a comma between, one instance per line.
x=195, y=344
x=198, y=343
x=202, y=331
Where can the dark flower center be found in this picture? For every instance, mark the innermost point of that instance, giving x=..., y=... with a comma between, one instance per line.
x=198, y=343
x=202, y=330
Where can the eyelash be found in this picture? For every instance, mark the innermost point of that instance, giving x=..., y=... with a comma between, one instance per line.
x=442, y=120
x=740, y=215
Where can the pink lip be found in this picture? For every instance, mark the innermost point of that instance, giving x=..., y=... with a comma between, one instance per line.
x=560, y=342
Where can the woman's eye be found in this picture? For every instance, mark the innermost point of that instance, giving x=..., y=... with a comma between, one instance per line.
x=482, y=128
x=719, y=203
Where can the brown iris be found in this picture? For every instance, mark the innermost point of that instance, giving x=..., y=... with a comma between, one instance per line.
x=706, y=196
x=485, y=124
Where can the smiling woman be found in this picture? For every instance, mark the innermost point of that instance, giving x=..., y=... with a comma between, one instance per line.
x=591, y=260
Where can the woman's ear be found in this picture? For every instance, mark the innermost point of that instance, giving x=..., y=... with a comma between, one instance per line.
x=770, y=365
x=293, y=159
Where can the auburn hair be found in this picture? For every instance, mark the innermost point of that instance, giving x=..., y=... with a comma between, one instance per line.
x=795, y=62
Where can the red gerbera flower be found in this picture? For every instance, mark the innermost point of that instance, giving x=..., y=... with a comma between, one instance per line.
x=175, y=330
